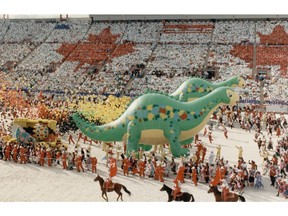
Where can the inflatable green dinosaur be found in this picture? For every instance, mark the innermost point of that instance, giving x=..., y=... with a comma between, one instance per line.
x=159, y=119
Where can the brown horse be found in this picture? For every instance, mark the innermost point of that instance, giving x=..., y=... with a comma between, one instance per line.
x=115, y=187
x=218, y=198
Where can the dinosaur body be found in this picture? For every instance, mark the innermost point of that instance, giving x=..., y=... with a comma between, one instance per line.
x=159, y=119
x=194, y=88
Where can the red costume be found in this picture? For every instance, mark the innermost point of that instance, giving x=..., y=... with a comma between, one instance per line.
x=94, y=164
x=196, y=138
x=113, y=167
x=126, y=165
x=70, y=139
x=194, y=176
x=177, y=189
x=7, y=152
x=210, y=137
x=180, y=173
x=205, y=131
x=64, y=160
x=41, y=157
x=225, y=133
x=203, y=154
x=22, y=155
x=217, y=177
x=141, y=165
x=79, y=163
x=113, y=171
x=15, y=153
x=49, y=158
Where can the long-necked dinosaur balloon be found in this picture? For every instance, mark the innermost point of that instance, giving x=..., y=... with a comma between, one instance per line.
x=159, y=119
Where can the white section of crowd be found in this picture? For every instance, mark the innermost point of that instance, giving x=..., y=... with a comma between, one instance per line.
x=30, y=49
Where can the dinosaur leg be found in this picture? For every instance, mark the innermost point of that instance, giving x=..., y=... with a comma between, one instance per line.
x=133, y=137
x=187, y=142
x=172, y=133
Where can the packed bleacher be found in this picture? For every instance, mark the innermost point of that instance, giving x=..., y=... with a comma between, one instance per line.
x=133, y=56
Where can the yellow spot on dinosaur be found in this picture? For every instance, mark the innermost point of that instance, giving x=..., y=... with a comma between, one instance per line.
x=131, y=118
x=181, y=112
x=149, y=107
x=169, y=108
x=171, y=114
x=163, y=116
x=201, y=89
x=192, y=112
x=150, y=116
x=188, y=89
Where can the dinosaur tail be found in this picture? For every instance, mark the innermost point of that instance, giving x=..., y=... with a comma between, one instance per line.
x=106, y=132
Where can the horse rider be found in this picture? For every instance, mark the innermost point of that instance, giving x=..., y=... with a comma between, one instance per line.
x=113, y=170
x=225, y=189
x=177, y=189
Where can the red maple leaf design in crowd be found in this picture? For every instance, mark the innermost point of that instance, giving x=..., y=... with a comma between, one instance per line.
x=96, y=51
x=272, y=50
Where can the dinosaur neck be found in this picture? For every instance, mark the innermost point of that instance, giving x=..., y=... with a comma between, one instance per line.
x=224, y=83
x=106, y=132
x=200, y=110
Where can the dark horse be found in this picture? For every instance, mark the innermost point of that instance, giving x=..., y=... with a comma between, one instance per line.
x=185, y=197
x=115, y=187
x=232, y=197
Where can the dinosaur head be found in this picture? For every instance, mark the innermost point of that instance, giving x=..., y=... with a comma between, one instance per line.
x=228, y=95
x=237, y=81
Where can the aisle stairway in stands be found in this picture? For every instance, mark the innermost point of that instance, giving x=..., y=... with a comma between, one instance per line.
x=144, y=70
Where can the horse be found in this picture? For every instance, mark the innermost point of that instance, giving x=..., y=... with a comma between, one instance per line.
x=115, y=187
x=185, y=197
x=218, y=197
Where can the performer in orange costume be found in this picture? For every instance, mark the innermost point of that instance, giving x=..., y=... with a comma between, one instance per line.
x=80, y=136
x=41, y=157
x=64, y=160
x=161, y=172
x=177, y=188
x=22, y=155
x=210, y=136
x=225, y=133
x=126, y=165
x=194, y=176
x=156, y=173
x=94, y=164
x=223, y=172
x=79, y=163
x=203, y=154
x=7, y=152
x=225, y=189
x=70, y=139
x=180, y=173
x=141, y=165
x=217, y=177
x=49, y=158
x=196, y=138
x=278, y=131
x=15, y=153
x=205, y=131
x=113, y=171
